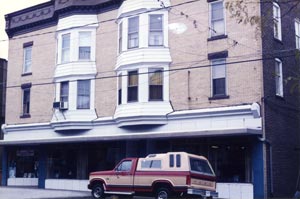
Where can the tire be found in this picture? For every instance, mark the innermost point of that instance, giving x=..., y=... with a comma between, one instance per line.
x=162, y=193
x=98, y=191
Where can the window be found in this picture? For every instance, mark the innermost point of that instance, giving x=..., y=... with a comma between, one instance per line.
x=156, y=30
x=217, y=22
x=84, y=46
x=65, y=49
x=27, y=57
x=171, y=162
x=178, y=160
x=125, y=166
x=147, y=164
x=133, y=82
x=133, y=32
x=155, y=84
x=218, y=77
x=297, y=33
x=277, y=21
x=26, y=101
x=120, y=89
x=278, y=77
x=83, y=94
x=64, y=91
x=120, y=37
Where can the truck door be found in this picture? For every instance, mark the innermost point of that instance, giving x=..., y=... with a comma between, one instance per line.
x=122, y=180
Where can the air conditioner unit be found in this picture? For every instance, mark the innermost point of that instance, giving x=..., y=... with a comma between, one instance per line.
x=61, y=105
x=64, y=106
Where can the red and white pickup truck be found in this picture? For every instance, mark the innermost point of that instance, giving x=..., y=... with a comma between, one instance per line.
x=160, y=175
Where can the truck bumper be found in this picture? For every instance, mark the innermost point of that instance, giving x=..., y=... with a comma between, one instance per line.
x=202, y=192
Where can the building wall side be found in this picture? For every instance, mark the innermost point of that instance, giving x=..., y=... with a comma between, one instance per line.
x=281, y=114
x=43, y=67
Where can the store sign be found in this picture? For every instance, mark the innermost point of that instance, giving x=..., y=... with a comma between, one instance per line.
x=24, y=153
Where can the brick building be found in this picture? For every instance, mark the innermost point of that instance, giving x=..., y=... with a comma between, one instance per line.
x=91, y=82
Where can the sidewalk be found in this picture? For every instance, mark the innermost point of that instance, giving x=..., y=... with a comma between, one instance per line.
x=29, y=192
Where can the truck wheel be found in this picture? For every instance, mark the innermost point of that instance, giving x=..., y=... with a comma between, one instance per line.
x=162, y=193
x=98, y=191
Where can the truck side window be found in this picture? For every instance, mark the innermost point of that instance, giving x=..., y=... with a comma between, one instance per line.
x=178, y=160
x=171, y=162
x=125, y=166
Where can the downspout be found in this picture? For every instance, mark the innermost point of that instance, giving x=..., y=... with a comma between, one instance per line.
x=267, y=142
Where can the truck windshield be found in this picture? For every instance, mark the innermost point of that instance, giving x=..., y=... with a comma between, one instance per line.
x=201, y=166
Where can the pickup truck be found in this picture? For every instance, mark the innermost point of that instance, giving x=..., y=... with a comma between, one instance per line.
x=173, y=174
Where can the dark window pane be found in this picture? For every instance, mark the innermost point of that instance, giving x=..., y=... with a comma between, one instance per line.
x=156, y=92
x=132, y=94
x=171, y=163
x=178, y=160
x=219, y=87
x=133, y=86
x=26, y=101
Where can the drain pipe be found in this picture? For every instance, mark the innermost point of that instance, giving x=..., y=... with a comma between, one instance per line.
x=264, y=140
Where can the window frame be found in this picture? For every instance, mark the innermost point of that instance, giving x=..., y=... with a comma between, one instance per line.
x=277, y=21
x=88, y=46
x=26, y=89
x=61, y=94
x=278, y=78
x=212, y=32
x=133, y=86
x=212, y=77
x=133, y=32
x=152, y=71
x=27, y=63
x=161, y=31
x=66, y=49
x=78, y=106
x=297, y=33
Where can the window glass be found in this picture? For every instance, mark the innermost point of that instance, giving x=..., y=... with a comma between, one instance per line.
x=26, y=101
x=218, y=77
x=120, y=89
x=156, y=30
x=64, y=91
x=277, y=21
x=133, y=81
x=120, y=37
x=27, y=59
x=83, y=94
x=297, y=33
x=171, y=163
x=125, y=166
x=155, y=84
x=65, y=49
x=84, y=45
x=178, y=160
x=201, y=166
x=278, y=77
x=217, y=19
x=146, y=164
x=133, y=32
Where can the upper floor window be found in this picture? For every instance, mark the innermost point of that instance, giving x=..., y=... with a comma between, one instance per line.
x=297, y=33
x=84, y=45
x=64, y=91
x=65, y=49
x=276, y=21
x=26, y=99
x=278, y=77
x=155, y=84
x=83, y=94
x=218, y=77
x=120, y=37
x=156, y=30
x=133, y=82
x=133, y=32
x=120, y=89
x=27, y=57
x=217, y=21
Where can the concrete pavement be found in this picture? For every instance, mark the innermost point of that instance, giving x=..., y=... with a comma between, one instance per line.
x=34, y=193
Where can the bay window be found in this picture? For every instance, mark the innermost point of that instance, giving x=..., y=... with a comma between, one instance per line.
x=120, y=89
x=156, y=30
x=133, y=82
x=64, y=91
x=156, y=84
x=120, y=37
x=84, y=45
x=133, y=32
x=83, y=94
x=65, y=49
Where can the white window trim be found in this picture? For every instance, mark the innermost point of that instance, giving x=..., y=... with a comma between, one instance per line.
x=276, y=5
x=24, y=60
x=280, y=92
x=211, y=77
x=297, y=26
x=210, y=15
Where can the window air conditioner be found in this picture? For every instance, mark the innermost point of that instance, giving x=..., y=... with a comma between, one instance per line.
x=61, y=105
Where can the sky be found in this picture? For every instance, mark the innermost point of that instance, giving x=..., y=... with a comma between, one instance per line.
x=8, y=6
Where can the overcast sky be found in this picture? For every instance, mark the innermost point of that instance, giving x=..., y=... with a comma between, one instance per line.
x=8, y=6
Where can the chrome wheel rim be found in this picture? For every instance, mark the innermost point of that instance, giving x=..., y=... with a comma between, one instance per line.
x=162, y=195
x=98, y=192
